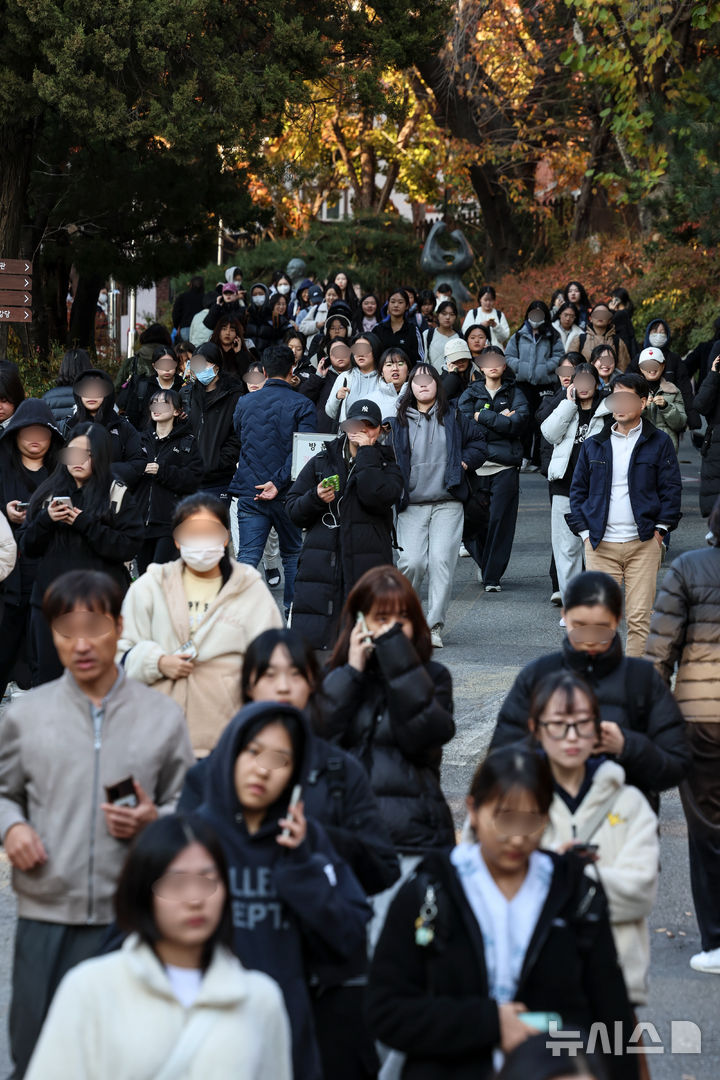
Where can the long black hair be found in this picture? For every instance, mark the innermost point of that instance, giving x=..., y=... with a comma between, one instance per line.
x=409, y=401
x=204, y=500
x=96, y=490
x=73, y=363
x=257, y=660
x=157, y=846
x=11, y=387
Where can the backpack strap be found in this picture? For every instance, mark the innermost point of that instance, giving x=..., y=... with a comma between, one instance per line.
x=337, y=784
x=430, y=336
x=586, y=834
x=183, y=1053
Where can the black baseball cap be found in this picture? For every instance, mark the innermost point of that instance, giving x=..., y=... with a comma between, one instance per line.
x=365, y=409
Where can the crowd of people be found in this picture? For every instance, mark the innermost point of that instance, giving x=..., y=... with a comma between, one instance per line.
x=220, y=784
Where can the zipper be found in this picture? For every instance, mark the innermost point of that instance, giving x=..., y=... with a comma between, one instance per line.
x=97, y=718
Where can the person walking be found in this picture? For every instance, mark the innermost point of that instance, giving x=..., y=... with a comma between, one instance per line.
x=187, y=305
x=625, y=498
x=489, y=316
x=707, y=404
x=435, y=447
x=532, y=354
x=60, y=398
x=85, y=732
x=95, y=404
x=210, y=401
x=265, y=424
x=684, y=639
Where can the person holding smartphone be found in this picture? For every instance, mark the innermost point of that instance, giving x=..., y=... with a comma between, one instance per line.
x=486, y=944
x=295, y=903
x=600, y=817
x=79, y=518
x=707, y=403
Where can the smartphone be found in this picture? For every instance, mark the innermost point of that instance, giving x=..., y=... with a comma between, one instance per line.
x=362, y=623
x=331, y=482
x=61, y=500
x=21, y=506
x=294, y=800
x=541, y=1020
x=122, y=793
x=584, y=851
x=188, y=650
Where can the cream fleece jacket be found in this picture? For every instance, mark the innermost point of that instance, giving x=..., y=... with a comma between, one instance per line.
x=155, y=624
x=116, y=1016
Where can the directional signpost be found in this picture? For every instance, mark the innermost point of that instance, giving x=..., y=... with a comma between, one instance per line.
x=15, y=291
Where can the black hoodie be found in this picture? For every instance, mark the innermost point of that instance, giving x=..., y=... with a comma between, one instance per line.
x=290, y=908
x=180, y=473
x=126, y=450
x=19, y=483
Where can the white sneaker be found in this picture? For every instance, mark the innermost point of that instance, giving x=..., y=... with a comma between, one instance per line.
x=556, y=598
x=437, y=642
x=562, y=623
x=464, y=553
x=707, y=962
x=525, y=463
x=493, y=588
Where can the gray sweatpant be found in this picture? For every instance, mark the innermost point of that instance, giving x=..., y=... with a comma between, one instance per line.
x=430, y=535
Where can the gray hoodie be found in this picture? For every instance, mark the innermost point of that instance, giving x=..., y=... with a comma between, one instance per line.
x=428, y=457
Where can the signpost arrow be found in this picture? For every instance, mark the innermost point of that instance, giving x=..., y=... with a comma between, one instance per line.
x=15, y=314
x=22, y=298
x=15, y=266
x=16, y=281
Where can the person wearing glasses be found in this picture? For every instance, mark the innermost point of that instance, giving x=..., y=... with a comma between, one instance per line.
x=600, y=817
x=174, y=995
x=641, y=726
x=88, y=761
x=485, y=945
x=188, y=622
x=79, y=518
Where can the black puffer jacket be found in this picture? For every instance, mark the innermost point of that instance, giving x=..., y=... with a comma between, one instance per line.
x=685, y=628
x=332, y=559
x=126, y=450
x=60, y=400
x=180, y=473
x=504, y=433
x=707, y=403
x=434, y=1002
x=395, y=717
x=211, y=419
x=655, y=756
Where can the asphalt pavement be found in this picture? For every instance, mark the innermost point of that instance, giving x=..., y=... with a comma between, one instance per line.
x=488, y=638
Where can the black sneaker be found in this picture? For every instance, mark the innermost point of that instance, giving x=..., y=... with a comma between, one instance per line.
x=272, y=577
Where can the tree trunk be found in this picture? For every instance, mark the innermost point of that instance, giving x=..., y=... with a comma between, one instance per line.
x=599, y=143
x=17, y=143
x=504, y=241
x=84, y=310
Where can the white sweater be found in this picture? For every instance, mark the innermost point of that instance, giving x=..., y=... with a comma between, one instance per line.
x=363, y=385
x=628, y=863
x=498, y=334
x=117, y=1016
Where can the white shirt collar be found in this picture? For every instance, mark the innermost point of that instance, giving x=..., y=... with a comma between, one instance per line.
x=633, y=433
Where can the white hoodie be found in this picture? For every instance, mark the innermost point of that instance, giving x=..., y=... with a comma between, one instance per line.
x=628, y=862
x=117, y=1016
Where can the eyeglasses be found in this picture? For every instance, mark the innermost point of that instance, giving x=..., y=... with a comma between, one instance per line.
x=267, y=758
x=178, y=885
x=508, y=823
x=90, y=625
x=74, y=456
x=558, y=729
x=395, y=363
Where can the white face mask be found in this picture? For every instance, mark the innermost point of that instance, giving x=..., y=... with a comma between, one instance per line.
x=201, y=555
x=657, y=340
x=258, y=299
x=535, y=322
x=283, y=289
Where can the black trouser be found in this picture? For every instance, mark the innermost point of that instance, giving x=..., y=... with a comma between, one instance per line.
x=46, y=664
x=492, y=551
x=44, y=952
x=14, y=637
x=156, y=549
x=700, y=794
x=346, y=1047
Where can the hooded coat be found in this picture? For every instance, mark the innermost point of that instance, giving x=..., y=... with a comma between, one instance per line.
x=333, y=559
x=155, y=624
x=672, y=419
x=291, y=909
x=395, y=717
x=137, y=397
x=126, y=450
x=633, y=696
x=675, y=372
x=533, y=359
x=180, y=472
x=707, y=403
x=211, y=419
x=19, y=483
x=591, y=338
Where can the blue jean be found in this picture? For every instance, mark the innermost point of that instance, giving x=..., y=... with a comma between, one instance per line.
x=255, y=520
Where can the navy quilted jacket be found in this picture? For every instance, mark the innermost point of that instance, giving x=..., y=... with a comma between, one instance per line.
x=265, y=423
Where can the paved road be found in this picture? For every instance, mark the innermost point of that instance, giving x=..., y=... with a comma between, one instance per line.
x=488, y=639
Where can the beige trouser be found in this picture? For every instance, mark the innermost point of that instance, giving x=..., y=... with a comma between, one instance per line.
x=634, y=564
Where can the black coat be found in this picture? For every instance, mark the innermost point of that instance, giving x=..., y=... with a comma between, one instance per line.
x=187, y=305
x=93, y=542
x=180, y=473
x=211, y=419
x=395, y=717
x=126, y=452
x=137, y=398
x=332, y=559
x=318, y=389
x=433, y=1002
x=504, y=433
x=655, y=756
x=707, y=403
x=60, y=400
